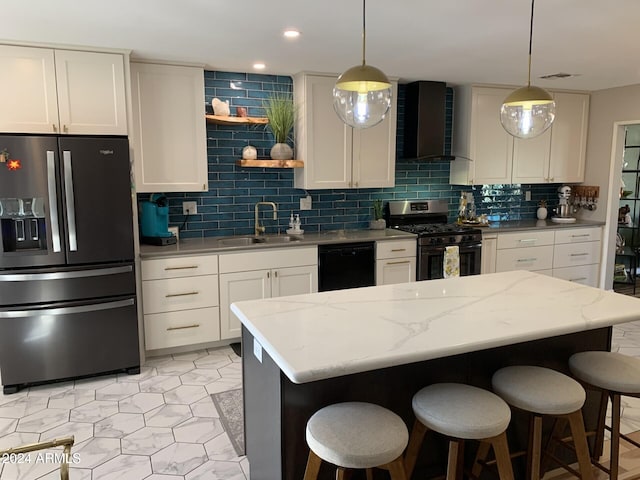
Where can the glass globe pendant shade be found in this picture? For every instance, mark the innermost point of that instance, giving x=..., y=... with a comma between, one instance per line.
x=527, y=112
x=362, y=96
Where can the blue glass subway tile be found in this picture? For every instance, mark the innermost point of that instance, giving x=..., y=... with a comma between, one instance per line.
x=263, y=191
x=233, y=191
x=261, y=77
x=230, y=76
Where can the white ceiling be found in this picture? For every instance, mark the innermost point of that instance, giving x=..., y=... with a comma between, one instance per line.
x=457, y=41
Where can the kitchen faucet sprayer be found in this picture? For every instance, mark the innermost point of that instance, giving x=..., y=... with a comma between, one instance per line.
x=261, y=228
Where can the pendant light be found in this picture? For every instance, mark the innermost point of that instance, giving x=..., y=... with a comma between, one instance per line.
x=362, y=94
x=528, y=111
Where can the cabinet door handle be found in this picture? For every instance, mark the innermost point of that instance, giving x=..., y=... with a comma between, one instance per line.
x=582, y=235
x=275, y=274
x=195, y=325
x=398, y=263
x=180, y=268
x=398, y=249
x=168, y=295
x=528, y=240
x=66, y=129
x=268, y=274
x=526, y=259
x=551, y=179
x=578, y=254
x=577, y=279
x=55, y=128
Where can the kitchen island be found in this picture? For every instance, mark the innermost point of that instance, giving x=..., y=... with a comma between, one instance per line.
x=382, y=344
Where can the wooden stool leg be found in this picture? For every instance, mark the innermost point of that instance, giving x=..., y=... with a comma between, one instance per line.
x=534, y=448
x=369, y=473
x=396, y=469
x=559, y=426
x=481, y=456
x=602, y=416
x=455, y=460
x=503, y=459
x=313, y=466
x=340, y=473
x=413, y=448
x=580, y=443
x=615, y=436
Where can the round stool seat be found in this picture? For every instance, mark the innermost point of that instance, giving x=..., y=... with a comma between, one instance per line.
x=538, y=390
x=356, y=435
x=609, y=370
x=461, y=411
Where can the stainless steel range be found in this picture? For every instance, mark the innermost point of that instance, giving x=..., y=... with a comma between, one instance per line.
x=428, y=220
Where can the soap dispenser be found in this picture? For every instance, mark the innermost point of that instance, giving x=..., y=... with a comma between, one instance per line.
x=291, y=221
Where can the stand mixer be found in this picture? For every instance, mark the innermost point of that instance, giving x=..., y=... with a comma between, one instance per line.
x=565, y=207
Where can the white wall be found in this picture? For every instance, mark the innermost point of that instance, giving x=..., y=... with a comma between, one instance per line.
x=609, y=111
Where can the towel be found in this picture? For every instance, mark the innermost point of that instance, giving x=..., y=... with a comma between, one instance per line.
x=451, y=262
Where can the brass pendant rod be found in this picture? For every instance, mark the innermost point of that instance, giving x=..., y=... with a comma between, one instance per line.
x=364, y=30
x=530, y=43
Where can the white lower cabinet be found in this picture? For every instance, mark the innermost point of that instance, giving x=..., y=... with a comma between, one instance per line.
x=264, y=274
x=180, y=301
x=395, y=261
x=489, y=252
x=569, y=253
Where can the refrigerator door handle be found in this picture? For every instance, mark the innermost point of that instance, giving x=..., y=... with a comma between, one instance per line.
x=97, y=272
x=71, y=205
x=94, y=307
x=53, y=202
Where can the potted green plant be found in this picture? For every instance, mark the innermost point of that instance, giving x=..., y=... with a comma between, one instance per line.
x=378, y=222
x=281, y=112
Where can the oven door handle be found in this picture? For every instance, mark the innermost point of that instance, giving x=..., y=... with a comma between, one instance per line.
x=475, y=246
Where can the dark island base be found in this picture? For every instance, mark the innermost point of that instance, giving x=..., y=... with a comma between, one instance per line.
x=276, y=410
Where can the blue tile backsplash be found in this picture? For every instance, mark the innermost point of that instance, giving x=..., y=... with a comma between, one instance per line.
x=228, y=207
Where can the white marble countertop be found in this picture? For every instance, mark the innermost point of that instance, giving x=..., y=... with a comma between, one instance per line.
x=197, y=246
x=324, y=335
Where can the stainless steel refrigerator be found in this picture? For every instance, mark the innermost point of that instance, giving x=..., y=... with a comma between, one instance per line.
x=67, y=280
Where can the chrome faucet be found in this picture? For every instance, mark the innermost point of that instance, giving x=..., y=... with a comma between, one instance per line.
x=261, y=228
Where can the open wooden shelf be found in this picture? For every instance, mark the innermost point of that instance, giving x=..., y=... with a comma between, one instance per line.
x=268, y=163
x=226, y=120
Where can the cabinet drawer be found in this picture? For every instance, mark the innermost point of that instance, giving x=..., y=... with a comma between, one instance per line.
x=179, y=294
x=572, y=254
x=187, y=327
x=584, y=274
x=525, y=239
x=268, y=259
x=390, y=271
x=396, y=249
x=575, y=235
x=179, y=267
x=532, y=258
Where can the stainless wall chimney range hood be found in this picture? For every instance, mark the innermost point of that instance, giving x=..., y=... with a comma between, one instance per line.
x=424, y=121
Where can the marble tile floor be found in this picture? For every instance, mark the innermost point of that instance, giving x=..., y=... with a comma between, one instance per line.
x=158, y=425
x=162, y=423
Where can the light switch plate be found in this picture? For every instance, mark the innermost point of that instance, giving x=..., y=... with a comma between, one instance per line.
x=305, y=203
x=189, y=208
x=257, y=350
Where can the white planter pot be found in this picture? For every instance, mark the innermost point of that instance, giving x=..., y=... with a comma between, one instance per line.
x=379, y=224
x=281, y=151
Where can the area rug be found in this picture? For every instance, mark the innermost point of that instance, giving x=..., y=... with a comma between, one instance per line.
x=230, y=408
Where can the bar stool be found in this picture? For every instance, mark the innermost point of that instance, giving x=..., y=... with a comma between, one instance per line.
x=614, y=375
x=545, y=392
x=460, y=412
x=356, y=435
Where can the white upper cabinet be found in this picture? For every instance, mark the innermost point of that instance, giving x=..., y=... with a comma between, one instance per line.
x=334, y=154
x=569, y=137
x=169, y=131
x=62, y=91
x=487, y=154
x=483, y=149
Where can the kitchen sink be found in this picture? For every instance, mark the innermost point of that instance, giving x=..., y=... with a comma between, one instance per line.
x=246, y=241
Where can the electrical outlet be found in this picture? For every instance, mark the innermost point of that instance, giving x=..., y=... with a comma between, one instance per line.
x=305, y=203
x=189, y=208
x=527, y=196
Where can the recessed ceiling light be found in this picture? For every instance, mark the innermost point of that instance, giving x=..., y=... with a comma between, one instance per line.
x=291, y=33
x=259, y=66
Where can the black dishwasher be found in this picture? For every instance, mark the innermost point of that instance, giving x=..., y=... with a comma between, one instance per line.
x=346, y=265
